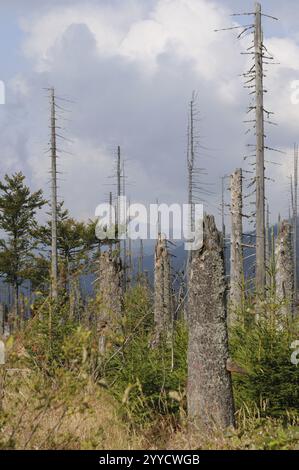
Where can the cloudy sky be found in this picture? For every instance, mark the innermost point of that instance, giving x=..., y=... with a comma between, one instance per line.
x=129, y=68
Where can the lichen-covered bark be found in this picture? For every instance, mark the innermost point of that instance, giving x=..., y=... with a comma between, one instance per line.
x=162, y=290
x=236, y=268
x=284, y=277
x=209, y=394
x=110, y=294
x=168, y=298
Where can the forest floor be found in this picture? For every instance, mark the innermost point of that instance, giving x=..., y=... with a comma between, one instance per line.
x=72, y=412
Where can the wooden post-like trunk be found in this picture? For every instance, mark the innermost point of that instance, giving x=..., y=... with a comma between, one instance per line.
x=209, y=396
x=236, y=270
x=284, y=275
x=2, y=319
x=111, y=299
x=260, y=148
x=162, y=291
x=54, y=256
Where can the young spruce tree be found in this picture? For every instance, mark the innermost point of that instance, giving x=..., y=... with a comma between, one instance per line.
x=18, y=208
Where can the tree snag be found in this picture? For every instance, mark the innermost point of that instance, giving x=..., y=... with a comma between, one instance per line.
x=209, y=395
x=284, y=275
x=162, y=291
x=236, y=268
x=110, y=294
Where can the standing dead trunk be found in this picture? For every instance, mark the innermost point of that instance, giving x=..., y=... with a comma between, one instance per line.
x=110, y=293
x=2, y=373
x=168, y=310
x=284, y=276
x=209, y=396
x=16, y=310
x=162, y=291
x=54, y=257
x=236, y=270
x=2, y=319
x=260, y=149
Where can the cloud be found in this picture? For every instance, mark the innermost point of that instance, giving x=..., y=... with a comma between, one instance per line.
x=130, y=68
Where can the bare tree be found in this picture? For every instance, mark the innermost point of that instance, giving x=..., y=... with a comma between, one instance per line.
x=260, y=147
x=54, y=259
x=295, y=216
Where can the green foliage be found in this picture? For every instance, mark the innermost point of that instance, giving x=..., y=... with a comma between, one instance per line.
x=52, y=340
x=18, y=207
x=263, y=349
x=74, y=241
x=148, y=381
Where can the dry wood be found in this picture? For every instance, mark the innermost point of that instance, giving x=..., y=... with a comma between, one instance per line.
x=284, y=269
x=236, y=270
x=210, y=398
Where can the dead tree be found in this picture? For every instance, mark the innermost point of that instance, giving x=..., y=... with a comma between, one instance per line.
x=255, y=83
x=295, y=216
x=260, y=148
x=268, y=249
x=2, y=373
x=2, y=319
x=284, y=276
x=110, y=294
x=54, y=258
x=118, y=179
x=140, y=260
x=209, y=395
x=168, y=294
x=162, y=291
x=236, y=269
x=125, y=278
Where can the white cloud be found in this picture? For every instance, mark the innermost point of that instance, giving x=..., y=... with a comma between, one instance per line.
x=183, y=27
x=132, y=68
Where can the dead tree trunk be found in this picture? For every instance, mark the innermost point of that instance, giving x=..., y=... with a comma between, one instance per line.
x=268, y=250
x=295, y=217
x=168, y=298
x=209, y=396
x=260, y=163
x=162, y=291
x=236, y=270
x=54, y=262
x=110, y=293
x=284, y=269
x=2, y=319
x=2, y=373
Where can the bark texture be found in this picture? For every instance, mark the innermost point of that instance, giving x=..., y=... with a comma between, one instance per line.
x=162, y=291
x=236, y=269
x=209, y=395
x=110, y=293
x=284, y=268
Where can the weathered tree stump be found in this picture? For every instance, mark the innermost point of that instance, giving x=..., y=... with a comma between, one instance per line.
x=111, y=296
x=209, y=394
x=162, y=291
x=284, y=275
